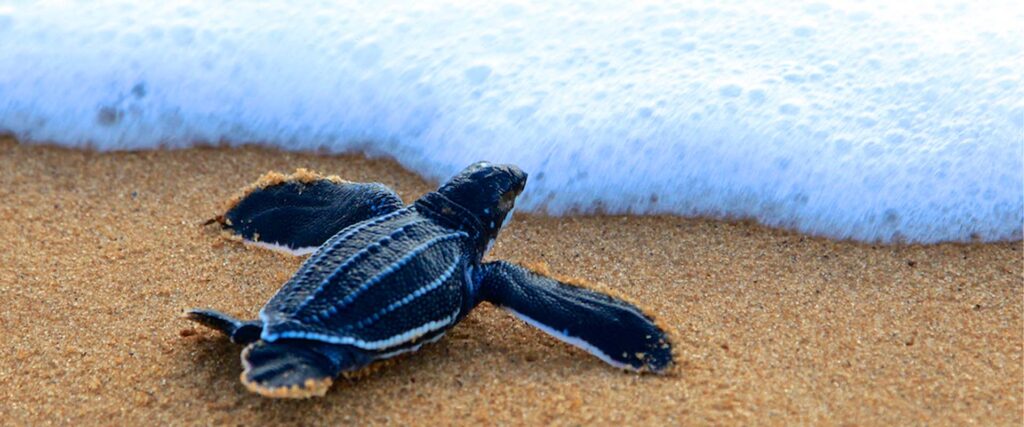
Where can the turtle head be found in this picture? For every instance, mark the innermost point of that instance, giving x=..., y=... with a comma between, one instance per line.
x=487, y=190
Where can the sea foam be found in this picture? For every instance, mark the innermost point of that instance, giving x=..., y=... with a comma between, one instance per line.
x=861, y=120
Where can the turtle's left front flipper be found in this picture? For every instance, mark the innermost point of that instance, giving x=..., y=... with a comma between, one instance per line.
x=613, y=330
x=299, y=212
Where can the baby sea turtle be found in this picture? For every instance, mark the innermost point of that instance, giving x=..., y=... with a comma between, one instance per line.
x=385, y=278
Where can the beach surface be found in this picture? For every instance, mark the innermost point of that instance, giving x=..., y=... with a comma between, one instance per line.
x=103, y=251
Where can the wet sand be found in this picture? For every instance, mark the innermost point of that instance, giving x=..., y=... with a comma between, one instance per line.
x=101, y=252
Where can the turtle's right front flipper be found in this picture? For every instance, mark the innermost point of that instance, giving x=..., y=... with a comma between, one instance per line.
x=299, y=212
x=613, y=330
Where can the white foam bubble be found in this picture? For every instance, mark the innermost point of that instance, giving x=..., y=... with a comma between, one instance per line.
x=863, y=120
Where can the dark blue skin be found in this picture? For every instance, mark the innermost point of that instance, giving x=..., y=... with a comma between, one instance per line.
x=388, y=278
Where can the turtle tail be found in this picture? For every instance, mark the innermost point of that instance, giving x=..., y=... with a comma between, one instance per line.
x=240, y=332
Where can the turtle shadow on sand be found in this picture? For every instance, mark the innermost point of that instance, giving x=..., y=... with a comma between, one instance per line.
x=212, y=364
x=209, y=365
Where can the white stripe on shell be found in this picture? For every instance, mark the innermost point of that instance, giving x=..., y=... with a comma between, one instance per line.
x=385, y=272
x=412, y=296
x=282, y=248
x=576, y=341
x=410, y=349
x=246, y=366
x=383, y=344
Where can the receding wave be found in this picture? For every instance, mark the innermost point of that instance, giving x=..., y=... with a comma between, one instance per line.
x=864, y=120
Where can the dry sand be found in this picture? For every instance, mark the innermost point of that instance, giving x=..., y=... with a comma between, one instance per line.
x=101, y=252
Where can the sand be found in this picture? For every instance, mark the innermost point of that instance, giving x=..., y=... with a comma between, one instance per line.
x=101, y=252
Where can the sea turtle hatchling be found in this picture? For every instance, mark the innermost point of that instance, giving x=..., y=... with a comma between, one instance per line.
x=385, y=278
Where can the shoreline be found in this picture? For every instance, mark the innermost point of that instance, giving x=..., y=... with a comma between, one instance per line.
x=425, y=185
x=104, y=249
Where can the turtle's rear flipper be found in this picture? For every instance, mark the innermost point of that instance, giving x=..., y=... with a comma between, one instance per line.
x=299, y=212
x=613, y=330
x=294, y=368
x=240, y=332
